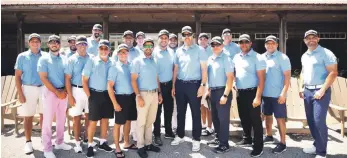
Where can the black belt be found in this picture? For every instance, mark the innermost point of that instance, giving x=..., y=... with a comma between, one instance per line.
x=247, y=89
x=217, y=88
x=95, y=90
x=190, y=81
x=166, y=83
x=125, y=94
x=73, y=85
x=33, y=85
x=60, y=88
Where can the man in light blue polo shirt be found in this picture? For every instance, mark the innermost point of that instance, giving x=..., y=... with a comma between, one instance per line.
x=145, y=83
x=205, y=108
x=72, y=46
x=190, y=72
x=123, y=98
x=93, y=41
x=76, y=96
x=250, y=78
x=278, y=72
x=51, y=70
x=29, y=86
x=229, y=45
x=173, y=42
x=94, y=82
x=220, y=80
x=164, y=57
x=140, y=37
x=319, y=71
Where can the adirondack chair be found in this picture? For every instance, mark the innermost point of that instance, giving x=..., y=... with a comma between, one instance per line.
x=339, y=100
x=295, y=107
x=9, y=102
x=234, y=114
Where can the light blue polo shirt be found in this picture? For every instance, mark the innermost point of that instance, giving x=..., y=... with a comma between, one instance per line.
x=314, y=65
x=146, y=69
x=134, y=53
x=75, y=66
x=217, y=68
x=27, y=63
x=165, y=62
x=69, y=53
x=207, y=50
x=97, y=71
x=246, y=67
x=233, y=49
x=188, y=61
x=93, y=46
x=276, y=64
x=54, y=66
x=119, y=73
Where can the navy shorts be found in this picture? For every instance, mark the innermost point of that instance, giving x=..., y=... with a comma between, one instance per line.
x=271, y=106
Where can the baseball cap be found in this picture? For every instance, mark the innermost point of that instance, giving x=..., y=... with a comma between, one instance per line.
x=140, y=33
x=104, y=42
x=53, y=38
x=81, y=39
x=311, y=32
x=217, y=39
x=164, y=32
x=226, y=30
x=271, y=38
x=97, y=27
x=34, y=35
x=245, y=37
x=148, y=40
x=128, y=32
x=203, y=35
x=172, y=36
x=121, y=47
x=71, y=38
x=187, y=29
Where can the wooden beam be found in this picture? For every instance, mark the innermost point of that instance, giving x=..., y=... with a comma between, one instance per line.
x=282, y=32
x=20, y=35
x=197, y=18
x=105, y=25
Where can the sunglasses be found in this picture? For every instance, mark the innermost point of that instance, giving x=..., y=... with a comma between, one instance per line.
x=243, y=42
x=54, y=42
x=186, y=34
x=215, y=45
x=148, y=46
x=103, y=48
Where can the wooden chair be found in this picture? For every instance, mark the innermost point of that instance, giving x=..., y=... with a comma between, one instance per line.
x=339, y=100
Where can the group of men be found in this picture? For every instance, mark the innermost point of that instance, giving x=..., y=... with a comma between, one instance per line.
x=136, y=83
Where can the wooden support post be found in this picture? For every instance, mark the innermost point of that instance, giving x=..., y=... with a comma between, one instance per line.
x=282, y=32
x=20, y=35
x=197, y=17
x=105, y=25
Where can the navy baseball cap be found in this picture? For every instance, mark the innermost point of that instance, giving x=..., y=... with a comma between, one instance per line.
x=81, y=39
x=104, y=42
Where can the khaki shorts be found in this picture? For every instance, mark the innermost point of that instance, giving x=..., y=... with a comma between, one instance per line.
x=33, y=101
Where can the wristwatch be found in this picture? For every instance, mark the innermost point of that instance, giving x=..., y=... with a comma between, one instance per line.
x=225, y=96
x=203, y=84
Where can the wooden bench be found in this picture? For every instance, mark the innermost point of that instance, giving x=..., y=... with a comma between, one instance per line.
x=339, y=100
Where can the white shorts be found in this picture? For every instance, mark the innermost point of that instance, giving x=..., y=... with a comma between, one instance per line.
x=81, y=102
x=33, y=101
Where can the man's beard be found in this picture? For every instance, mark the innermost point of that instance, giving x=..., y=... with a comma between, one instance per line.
x=55, y=52
x=73, y=48
x=96, y=35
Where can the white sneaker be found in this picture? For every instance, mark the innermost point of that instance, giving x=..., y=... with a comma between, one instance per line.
x=49, y=154
x=78, y=149
x=177, y=140
x=28, y=148
x=63, y=146
x=196, y=145
x=310, y=150
x=318, y=156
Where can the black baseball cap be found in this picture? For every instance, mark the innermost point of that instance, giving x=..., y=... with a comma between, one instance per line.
x=81, y=39
x=311, y=32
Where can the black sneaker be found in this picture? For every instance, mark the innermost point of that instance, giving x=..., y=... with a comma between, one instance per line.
x=256, y=153
x=280, y=148
x=157, y=141
x=169, y=136
x=152, y=148
x=142, y=152
x=221, y=149
x=105, y=147
x=269, y=139
x=244, y=142
x=213, y=143
x=90, y=152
